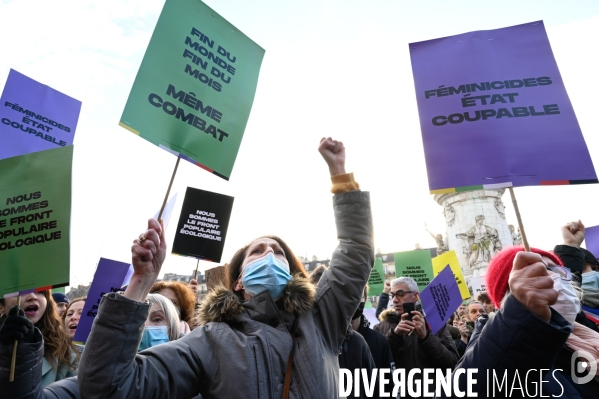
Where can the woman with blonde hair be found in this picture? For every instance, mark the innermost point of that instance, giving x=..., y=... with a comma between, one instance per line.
x=182, y=297
x=163, y=315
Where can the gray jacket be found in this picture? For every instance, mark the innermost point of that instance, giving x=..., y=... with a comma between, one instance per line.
x=241, y=349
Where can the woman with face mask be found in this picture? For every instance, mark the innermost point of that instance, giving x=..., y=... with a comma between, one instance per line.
x=183, y=299
x=161, y=326
x=534, y=329
x=268, y=333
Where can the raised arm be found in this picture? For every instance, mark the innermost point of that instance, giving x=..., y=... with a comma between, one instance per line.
x=341, y=286
x=110, y=365
x=383, y=300
x=569, y=252
x=509, y=342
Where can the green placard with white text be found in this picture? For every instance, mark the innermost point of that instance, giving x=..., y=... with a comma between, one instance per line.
x=35, y=218
x=195, y=87
x=416, y=264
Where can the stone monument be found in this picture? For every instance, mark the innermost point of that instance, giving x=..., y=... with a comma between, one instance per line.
x=476, y=227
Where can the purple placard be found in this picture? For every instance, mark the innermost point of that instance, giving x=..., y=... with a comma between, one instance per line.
x=591, y=240
x=34, y=117
x=440, y=299
x=524, y=133
x=110, y=276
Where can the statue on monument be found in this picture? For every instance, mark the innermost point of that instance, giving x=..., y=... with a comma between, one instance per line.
x=500, y=207
x=449, y=214
x=482, y=242
x=516, y=236
x=442, y=245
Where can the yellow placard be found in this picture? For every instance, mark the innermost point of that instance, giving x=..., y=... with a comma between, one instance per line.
x=451, y=259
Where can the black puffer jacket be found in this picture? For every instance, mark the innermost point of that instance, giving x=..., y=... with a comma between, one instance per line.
x=28, y=374
x=436, y=351
x=513, y=345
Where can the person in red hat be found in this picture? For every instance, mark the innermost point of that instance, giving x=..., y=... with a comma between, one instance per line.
x=530, y=340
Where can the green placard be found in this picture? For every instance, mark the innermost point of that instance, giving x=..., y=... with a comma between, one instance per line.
x=416, y=264
x=35, y=217
x=62, y=290
x=376, y=282
x=195, y=87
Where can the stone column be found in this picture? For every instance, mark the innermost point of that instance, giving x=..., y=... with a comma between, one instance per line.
x=476, y=227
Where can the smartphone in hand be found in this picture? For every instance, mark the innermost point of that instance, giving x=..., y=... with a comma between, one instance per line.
x=407, y=308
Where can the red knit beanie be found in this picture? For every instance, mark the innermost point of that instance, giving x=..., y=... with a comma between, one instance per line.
x=500, y=267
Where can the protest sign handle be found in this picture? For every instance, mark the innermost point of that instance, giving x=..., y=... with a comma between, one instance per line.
x=13, y=360
x=195, y=275
x=520, y=225
x=169, y=189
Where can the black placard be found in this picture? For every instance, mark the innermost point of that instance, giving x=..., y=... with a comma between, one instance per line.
x=203, y=224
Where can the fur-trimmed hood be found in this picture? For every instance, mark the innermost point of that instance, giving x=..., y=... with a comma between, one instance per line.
x=389, y=315
x=222, y=305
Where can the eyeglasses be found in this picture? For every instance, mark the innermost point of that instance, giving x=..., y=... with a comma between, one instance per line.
x=399, y=293
x=563, y=272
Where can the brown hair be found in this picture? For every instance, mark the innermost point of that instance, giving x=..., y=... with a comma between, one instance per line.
x=57, y=343
x=64, y=314
x=186, y=301
x=233, y=268
x=483, y=297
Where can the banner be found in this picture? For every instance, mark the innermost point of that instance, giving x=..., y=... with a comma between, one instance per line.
x=493, y=109
x=478, y=285
x=451, y=259
x=416, y=264
x=203, y=224
x=35, y=218
x=376, y=282
x=215, y=276
x=591, y=240
x=110, y=276
x=195, y=87
x=34, y=117
x=440, y=299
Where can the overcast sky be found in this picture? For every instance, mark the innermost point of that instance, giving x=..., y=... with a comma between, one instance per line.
x=331, y=68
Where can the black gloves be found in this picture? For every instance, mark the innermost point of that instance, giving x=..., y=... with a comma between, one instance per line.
x=17, y=327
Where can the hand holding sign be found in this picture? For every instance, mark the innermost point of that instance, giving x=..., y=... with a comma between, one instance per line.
x=573, y=233
x=333, y=152
x=147, y=255
x=193, y=285
x=531, y=285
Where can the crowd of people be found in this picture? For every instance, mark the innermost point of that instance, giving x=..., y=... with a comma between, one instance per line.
x=274, y=331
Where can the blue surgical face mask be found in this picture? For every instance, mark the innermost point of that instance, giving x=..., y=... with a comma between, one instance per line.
x=266, y=274
x=152, y=336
